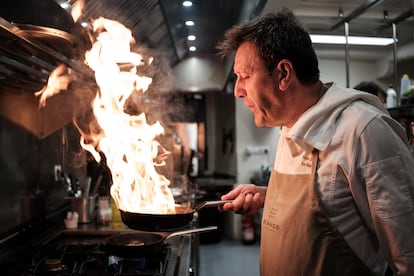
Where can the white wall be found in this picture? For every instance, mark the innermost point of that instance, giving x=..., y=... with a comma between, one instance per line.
x=220, y=120
x=248, y=134
x=335, y=70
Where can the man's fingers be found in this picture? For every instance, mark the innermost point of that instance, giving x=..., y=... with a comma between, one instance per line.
x=248, y=200
x=232, y=194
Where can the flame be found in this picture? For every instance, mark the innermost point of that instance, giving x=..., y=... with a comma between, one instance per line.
x=128, y=142
x=57, y=82
x=77, y=8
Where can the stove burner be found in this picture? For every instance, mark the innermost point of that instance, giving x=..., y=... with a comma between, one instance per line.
x=47, y=267
x=61, y=253
x=137, y=266
x=53, y=265
x=87, y=258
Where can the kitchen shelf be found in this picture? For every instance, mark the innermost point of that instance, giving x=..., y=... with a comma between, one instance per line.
x=405, y=115
x=403, y=111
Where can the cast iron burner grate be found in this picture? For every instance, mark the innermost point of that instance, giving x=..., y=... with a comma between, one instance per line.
x=88, y=258
x=75, y=260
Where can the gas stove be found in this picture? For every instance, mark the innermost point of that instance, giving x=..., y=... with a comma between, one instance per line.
x=69, y=254
x=83, y=252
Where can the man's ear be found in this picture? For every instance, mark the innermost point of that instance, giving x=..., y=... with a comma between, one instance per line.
x=285, y=70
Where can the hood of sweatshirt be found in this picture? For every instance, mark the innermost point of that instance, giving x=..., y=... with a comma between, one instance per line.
x=316, y=126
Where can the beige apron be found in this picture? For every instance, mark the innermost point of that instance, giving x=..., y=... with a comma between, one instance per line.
x=297, y=237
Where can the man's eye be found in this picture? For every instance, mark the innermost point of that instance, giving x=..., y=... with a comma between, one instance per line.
x=241, y=77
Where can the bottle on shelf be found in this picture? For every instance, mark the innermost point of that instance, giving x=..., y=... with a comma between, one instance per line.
x=405, y=84
x=391, y=97
x=248, y=229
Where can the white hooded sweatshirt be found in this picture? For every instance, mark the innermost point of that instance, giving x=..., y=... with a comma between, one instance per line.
x=365, y=174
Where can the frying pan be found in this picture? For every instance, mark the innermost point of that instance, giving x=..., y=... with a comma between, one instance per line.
x=57, y=40
x=136, y=244
x=165, y=222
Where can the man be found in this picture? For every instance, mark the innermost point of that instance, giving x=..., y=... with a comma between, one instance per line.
x=372, y=88
x=340, y=197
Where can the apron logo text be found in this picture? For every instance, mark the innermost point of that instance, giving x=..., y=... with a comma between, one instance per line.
x=270, y=218
x=306, y=162
x=270, y=224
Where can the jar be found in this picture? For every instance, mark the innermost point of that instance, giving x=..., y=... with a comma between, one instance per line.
x=104, y=210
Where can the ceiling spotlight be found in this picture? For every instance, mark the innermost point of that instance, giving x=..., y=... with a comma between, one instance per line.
x=191, y=37
x=187, y=3
x=192, y=48
x=189, y=23
x=65, y=5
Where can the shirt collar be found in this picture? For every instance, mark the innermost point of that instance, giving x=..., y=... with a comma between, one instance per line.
x=316, y=126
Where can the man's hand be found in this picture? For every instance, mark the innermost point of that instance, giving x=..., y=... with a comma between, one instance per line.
x=247, y=199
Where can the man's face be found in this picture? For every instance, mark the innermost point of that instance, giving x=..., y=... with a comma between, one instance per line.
x=258, y=87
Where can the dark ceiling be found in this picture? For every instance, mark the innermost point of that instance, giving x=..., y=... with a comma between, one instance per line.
x=160, y=24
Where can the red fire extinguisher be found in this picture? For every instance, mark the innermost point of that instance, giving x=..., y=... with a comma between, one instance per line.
x=248, y=229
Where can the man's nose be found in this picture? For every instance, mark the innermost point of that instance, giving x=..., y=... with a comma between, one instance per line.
x=239, y=91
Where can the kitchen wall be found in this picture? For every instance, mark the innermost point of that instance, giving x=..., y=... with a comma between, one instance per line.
x=28, y=189
x=381, y=71
x=221, y=134
x=334, y=70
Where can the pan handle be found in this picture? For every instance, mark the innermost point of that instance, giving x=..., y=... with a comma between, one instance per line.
x=211, y=203
x=190, y=231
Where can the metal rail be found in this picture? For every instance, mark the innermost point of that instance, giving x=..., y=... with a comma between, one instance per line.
x=396, y=20
x=357, y=12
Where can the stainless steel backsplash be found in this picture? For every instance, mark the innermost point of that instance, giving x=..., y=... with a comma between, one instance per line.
x=28, y=189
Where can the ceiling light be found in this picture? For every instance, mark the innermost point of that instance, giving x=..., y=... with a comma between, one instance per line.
x=187, y=3
x=191, y=37
x=65, y=5
x=189, y=23
x=352, y=40
x=192, y=48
